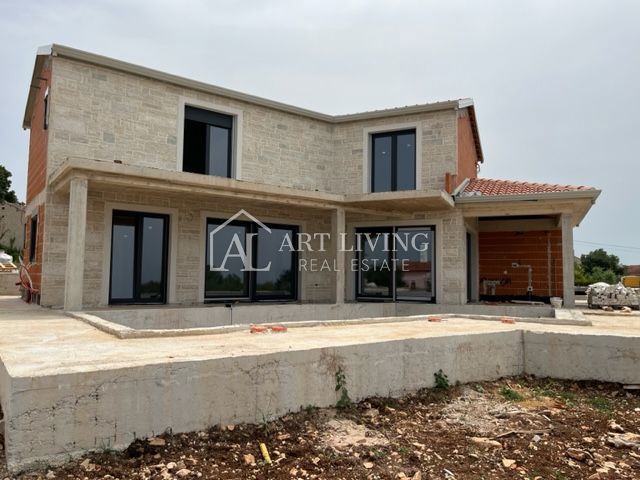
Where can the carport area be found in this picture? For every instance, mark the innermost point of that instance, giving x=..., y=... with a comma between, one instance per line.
x=520, y=244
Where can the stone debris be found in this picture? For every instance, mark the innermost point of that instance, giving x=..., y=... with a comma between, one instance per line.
x=344, y=433
x=577, y=454
x=603, y=295
x=624, y=440
x=485, y=442
x=554, y=429
x=156, y=442
x=615, y=427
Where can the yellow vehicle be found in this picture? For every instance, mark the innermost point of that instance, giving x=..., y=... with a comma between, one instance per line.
x=631, y=281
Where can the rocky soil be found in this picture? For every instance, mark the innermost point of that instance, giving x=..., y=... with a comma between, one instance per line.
x=514, y=428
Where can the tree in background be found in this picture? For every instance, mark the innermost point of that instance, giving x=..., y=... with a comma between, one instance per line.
x=6, y=194
x=600, y=258
x=598, y=266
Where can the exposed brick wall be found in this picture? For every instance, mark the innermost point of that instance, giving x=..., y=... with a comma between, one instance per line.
x=35, y=270
x=467, y=154
x=38, y=142
x=497, y=250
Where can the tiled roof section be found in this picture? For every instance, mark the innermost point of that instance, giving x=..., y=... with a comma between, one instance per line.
x=490, y=187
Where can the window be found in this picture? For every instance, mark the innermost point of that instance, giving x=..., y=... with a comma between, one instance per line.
x=45, y=122
x=139, y=244
x=393, y=161
x=261, y=248
x=396, y=263
x=208, y=142
x=33, y=238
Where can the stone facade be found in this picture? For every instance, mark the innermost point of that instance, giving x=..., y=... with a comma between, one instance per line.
x=103, y=114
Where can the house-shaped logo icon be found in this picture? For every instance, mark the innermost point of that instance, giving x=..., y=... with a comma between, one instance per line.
x=236, y=247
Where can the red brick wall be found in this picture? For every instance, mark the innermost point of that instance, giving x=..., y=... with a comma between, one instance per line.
x=497, y=250
x=35, y=270
x=38, y=139
x=467, y=155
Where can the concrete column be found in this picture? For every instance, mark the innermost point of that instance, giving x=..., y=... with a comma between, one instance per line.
x=74, y=273
x=340, y=229
x=568, y=285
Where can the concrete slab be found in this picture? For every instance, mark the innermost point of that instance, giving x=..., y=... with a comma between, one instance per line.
x=217, y=315
x=67, y=387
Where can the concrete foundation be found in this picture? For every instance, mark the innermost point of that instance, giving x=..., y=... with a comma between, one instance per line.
x=66, y=387
x=220, y=315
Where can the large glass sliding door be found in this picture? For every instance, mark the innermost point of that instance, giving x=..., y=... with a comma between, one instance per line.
x=251, y=262
x=278, y=282
x=414, y=264
x=375, y=279
x=233, y=282
x=139, y=243
x=396, y=263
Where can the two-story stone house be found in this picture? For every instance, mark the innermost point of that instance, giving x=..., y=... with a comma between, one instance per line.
x=134, y=174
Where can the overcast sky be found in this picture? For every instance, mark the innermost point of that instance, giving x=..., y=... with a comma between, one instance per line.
x=556, y=83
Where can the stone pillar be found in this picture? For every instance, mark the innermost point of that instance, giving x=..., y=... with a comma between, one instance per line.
x=339, y=229
x=74, y=273
x=568, y=284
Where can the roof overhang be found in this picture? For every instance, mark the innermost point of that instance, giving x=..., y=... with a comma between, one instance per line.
x=577, y=203
x=42, y=56
x=468, y=104
x=111, y=63
x=136, y=177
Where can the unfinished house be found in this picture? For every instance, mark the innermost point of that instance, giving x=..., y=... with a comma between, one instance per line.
x=138, y=180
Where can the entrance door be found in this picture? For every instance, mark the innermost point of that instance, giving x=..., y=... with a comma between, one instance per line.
x=139, y=244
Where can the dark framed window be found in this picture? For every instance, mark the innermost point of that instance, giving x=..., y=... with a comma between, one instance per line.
x=208, y=142
x=393, y=161
x=33, y=238
x=139, y=250
x=228, y=242
x=396, y=263
x=45, y=121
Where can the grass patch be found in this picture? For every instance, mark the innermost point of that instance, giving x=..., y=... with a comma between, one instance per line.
x=510, y=394
x=568, y=398
x=601, y=404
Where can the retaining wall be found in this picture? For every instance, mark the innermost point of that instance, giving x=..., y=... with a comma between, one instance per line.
x=53, y=418
x=56, y=417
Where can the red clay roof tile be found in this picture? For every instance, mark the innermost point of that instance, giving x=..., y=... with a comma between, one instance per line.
x=490, y=187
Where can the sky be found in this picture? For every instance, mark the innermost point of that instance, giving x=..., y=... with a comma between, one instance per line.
x=555, y=83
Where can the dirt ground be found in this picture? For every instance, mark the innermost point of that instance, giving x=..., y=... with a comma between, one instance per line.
x=514, y=428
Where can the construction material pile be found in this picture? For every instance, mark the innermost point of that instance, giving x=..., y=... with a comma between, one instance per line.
x=601, y=295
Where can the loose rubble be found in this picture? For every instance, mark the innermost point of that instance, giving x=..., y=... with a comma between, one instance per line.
x=607, y=297
x=522, y=428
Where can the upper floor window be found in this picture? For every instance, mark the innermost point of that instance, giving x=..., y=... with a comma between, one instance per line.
x=33, y=238
x=45, y=122
x=393, y=161
x=208, y=142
